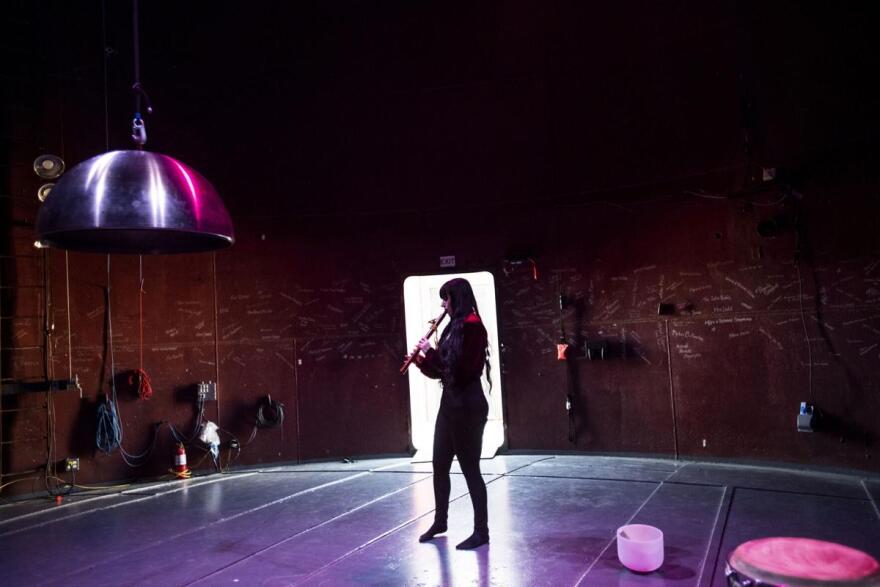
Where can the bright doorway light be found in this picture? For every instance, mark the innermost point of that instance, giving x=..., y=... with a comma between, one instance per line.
x=421, y=303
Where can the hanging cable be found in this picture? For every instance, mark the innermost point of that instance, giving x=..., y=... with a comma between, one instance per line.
x=109, y=432
x=138, y=128
x=107, y=52
x=109, y=435
x=271, y=417
x=179, y=437
x=270, y=414
x=802, y=252
x=69, y=335
x=139, y=379
x=49, y=375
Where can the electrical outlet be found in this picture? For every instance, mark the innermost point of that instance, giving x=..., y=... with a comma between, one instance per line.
x=71, y=464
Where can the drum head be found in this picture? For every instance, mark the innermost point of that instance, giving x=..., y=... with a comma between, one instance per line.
x=803, y=562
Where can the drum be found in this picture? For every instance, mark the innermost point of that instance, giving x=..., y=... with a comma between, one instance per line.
x=800, y=562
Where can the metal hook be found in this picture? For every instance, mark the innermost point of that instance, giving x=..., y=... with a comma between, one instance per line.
x=138, y=89
x=138, y=131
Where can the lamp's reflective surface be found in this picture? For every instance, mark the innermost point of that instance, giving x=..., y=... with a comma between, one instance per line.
x=134, y=202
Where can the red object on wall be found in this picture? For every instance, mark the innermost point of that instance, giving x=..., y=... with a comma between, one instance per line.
x=561, y=350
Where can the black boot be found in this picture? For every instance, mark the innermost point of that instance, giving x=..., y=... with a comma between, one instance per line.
x=436, y=528
x=478, y=538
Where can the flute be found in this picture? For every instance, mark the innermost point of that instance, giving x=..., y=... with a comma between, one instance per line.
x=412, y=357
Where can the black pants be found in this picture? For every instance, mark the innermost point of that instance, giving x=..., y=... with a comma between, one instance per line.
x=459, y=432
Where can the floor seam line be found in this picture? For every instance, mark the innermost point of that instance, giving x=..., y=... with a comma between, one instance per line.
x=389, y=532
x=870, y=498
x=712, y=535
x=314, y=527
x=721, y=536
x=182, y=487
x=220, y=521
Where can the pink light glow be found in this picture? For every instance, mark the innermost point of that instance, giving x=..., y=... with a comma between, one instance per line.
x=805, y=558
x=192, y=190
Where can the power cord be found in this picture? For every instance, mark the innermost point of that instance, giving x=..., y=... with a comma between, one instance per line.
x=270, y=414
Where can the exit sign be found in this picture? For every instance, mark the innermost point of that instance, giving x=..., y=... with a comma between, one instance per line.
x=447, y=261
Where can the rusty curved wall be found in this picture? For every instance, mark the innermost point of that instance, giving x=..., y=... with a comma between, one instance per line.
x=356, y=145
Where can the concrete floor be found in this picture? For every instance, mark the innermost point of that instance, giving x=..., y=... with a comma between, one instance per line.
x=552, y=521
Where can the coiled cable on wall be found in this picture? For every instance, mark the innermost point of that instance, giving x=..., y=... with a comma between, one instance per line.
x=139, y=380
x=108, y=435
x=270, y=414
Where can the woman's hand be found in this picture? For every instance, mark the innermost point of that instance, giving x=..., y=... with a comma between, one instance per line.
x=424, y=344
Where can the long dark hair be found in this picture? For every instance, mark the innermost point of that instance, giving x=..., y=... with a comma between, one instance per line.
x=461, y=298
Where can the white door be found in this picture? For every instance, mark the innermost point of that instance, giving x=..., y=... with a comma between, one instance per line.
x=421, y=303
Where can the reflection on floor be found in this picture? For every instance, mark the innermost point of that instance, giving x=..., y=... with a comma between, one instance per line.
x=552, y=522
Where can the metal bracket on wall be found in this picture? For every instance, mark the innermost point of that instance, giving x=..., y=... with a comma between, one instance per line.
x=19, y=387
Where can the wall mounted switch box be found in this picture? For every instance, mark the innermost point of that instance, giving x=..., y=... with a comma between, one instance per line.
x=207, y=391
x=806, y=418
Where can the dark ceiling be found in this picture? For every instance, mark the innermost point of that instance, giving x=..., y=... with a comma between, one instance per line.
x=378, y=106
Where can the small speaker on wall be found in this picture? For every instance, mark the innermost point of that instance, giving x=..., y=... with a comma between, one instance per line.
x=44, y=190
x=49, y=166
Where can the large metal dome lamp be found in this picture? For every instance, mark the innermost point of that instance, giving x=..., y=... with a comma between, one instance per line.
x=134, y=201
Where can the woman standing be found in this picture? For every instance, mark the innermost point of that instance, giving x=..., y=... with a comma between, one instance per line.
x=458, y=363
